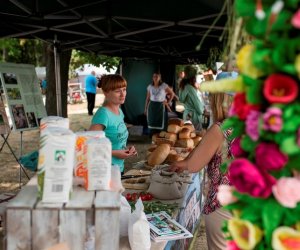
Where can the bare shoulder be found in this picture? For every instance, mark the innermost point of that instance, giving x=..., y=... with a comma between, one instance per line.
x=215, y=131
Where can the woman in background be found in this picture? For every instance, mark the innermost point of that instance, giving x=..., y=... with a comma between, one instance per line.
x=191, y=98
x=213, y=149
x=156, y=104
x=110, y=118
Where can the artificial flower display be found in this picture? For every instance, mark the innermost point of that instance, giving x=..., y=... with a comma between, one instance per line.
x=280, y=88
x=265, y=117
x=248, y=178
x=269, y=157
x=286, y=191
x=245, y=234
x=236, y=149
x=286, y=238
x=252, y=124
x=225, y=195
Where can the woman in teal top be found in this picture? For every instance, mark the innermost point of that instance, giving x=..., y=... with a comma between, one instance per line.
x=191, y=98
x=110, y=118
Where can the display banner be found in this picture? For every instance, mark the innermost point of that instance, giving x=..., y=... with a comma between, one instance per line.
x=4, y=124
x=22, y=91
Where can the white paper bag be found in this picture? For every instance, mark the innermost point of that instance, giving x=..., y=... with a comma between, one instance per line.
x=125, y=213
x=139, y=229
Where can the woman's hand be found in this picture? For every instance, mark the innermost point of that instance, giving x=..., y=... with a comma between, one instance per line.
x=132, y=150
x=179, y=166
x=125, y=153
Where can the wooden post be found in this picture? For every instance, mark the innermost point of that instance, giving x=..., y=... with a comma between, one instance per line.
x=74, y=219
x=18, y=214
x=107, y=220
x=45, y=225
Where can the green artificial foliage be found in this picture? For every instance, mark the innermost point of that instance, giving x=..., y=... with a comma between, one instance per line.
x=272, y=214
x=248, y=144
x=234, y=122
x=254, y=87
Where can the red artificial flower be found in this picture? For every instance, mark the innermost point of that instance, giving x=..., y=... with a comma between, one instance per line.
x=280, y=88
x=269, y=157
x=241, y=108
x=247, y=178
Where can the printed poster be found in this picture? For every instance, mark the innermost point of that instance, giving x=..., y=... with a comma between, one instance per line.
x=23, y=96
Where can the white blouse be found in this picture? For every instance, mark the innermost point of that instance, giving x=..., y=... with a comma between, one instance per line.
x=157, y=94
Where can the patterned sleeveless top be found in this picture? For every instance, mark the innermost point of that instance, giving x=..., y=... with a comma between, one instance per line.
x=215, y=176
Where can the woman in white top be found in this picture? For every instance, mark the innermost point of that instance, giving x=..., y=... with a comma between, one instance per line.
x=156, y=101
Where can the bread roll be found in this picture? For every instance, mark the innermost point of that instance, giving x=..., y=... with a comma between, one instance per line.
x=173, y=157
x=159, y=155
x=185, y=133
x=154, y=137
x=172, y=128
x=176, y=121
x=185, y=143
x=171, y=136
x=160, y=141
x=162, y=134
x=193, y=135
x=189, y=126
x=196, y=140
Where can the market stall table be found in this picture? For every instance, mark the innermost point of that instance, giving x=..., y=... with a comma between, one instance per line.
x=187, y=214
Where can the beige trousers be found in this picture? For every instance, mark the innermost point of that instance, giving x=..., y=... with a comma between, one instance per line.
x=213, y=228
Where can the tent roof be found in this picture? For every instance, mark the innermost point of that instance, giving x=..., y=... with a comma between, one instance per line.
x=165, y=29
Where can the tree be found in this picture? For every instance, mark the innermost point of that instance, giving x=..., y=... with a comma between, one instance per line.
x=39, y=53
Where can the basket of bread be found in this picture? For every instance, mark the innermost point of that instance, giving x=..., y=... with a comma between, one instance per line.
x=174, y=144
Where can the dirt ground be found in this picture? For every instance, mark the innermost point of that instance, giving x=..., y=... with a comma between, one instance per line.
x=10, y=171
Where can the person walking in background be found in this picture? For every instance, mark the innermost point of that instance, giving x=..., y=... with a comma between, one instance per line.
x=90, y=89
x=191, y=98
x=213, y=149
x=44, y=86
x=155, y=105
x=110, y=118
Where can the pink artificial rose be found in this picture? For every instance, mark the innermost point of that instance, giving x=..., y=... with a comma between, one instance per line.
x=231, y=245
x=296, y=19
x=225, y=195
x=273, y=119
x=252, y=123
x=235, y=148
x=286, y=191
x=247, y=178
x=269, y=157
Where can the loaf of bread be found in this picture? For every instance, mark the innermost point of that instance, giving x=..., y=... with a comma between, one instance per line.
x=185, y=133
x=159, y=155
x=176, y=121
x=184, y=143
x=160, y=141
x=196, y=140
x=151, y=149
x=173, y=157
x=172, y=128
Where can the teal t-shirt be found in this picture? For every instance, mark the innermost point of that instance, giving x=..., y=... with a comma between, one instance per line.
x=115, y=130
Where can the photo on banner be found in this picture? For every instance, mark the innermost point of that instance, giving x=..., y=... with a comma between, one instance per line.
x=4, y=124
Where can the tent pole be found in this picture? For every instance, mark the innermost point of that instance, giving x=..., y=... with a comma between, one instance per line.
x=57, y=76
